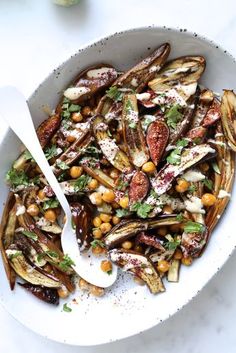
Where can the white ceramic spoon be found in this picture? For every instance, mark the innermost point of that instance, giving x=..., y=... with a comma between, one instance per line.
x=14, y=110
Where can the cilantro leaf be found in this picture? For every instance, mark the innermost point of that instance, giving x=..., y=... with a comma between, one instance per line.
x=192, y=188
x=16, y=254
x=81, y=182
x=133, y=125
x=148, y=119
x=172, y=244
x=66, y=308
x=114, y=93
x=182, y=143
x=28, y=156
x=62, y=165
x=128, y=106
x=30, y=235
x=97, y=242
x=74, y=108
x=66, y=263
x=122, y=212
x=51, y=203
x=50, y=152
x=174, y=157
x=180, y=217
x=109, y=272
x=208, y=183
x=173, y=116
x=142, y=209
x=193, y=227
x=17, y=177
x=52, y=254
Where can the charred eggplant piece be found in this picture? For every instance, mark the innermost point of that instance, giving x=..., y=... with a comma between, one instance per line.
x=192, y=244
x=133, y=134
x=91, y=81
x=213, y=114
x=100, y=176
x=181, y=74
x=138, y=265
x=173, y=273
x=108, y=146
x=228, y=110
x=48, y=295
x=81, y=216
x=126, y=229
x=139, y=187
x=189, y=158
x=46, y=130
x=149, y=240
x=157, y=139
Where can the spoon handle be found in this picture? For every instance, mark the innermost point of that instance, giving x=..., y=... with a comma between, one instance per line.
x=14, y=110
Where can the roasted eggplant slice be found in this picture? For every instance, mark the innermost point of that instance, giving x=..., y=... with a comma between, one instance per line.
x=189, y=158
x=91, y=81
x=138, y=265
x=139, y=187
x=149, y=240
x=100, y=176
x=109, y=147
x=192, y=244
x=46, y=130
x=228, y=110
x=213, y=114
x=157, y=139
x=173, y=273
x=133, y=134
x=81, y=216
x=48, y=295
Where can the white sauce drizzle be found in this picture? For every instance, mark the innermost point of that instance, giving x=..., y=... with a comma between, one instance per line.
x=223, y=193
x=100, y=73
x=193, y=176
x=194, y=205
x=73, y=93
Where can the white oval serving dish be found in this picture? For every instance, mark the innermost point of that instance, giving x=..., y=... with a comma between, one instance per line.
x=127, y=309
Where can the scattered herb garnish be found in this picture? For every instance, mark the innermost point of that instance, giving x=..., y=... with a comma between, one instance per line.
x=193, y=227
x=180, y=217
x=109, y=272
x=197, y=141
x=66, y=263
x=97, y=242
x=128, y=106
x=133, y=125
x=174, y=157
x=182, y=143
x=28, y=156
x=52, y=254
x=173, y=116
x=172, y=244
x=16, y=254
x=147, y=121
x=114, y=93
x=30, y=235
x=51, y=203
x=50, y=152
x=93, y=151
x=62, y=165
x=74, y=108
x=122, y=212
x=66, y=308
x=154, y=194
x=142, y=209
x=81, y=183
x=17, y=177
x=192, y=188
x=208, y=183
x=122, y=184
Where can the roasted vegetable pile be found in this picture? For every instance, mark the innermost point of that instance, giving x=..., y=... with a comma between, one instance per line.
x=146, y=160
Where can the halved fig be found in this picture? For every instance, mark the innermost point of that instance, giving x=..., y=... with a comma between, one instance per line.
x=132, y=130
x=91, y=81
x=48, y=295
x=157, y=139
x=181, y=74
x=150, y=240
x=138, y=265
x=228, y=111
x=197, y=133
x=213, y=114
x=139, y=187
x=109, y=147
x=191, y=156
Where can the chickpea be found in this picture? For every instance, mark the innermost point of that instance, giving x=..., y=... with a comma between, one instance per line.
x=163, y=266
x=106, y=266
x=96, y=291
x=76, y=171
x=84, y=285
x=105, y=227
x=105, y=217
x=178, y=254
x=96, y=198
x=77, y=117
x=33, y=210
x=93, y=184
x=97, y=222
x=63, y=292
x=139, y=281
x=124, y=202
x=97, y=233
x=167, y=209
x=115, y=220
x=162, y=231
x=41, y=194
x=114, y=173
x=86, y=111
x=204, y=167
x=148, y=167
x=71, y=138
x=50, y=215
x=182, y=185
x=127, y=245
x=97, y=250
x=208, y=199
x=108, y=196
x=187, y=261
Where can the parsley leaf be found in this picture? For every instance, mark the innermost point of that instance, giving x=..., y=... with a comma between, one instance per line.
x=28, y=156
x=122, y=212
x=208, y=183
x=114, y=93
x=16, y=254
x=30, y=235
x=50, y=152
x=17, y=177
x=192, y=188
x=180, y=217
x=74, y=108
x=109, y=272
x=66, y=263
x=51, y=203
x=62, y=165
x=142, y=209
x=93, y=151
x=154, y=194
x=132, y=125
x=193, y=227
x=97, y=242
x=148, y=119
x=173, y=116
x=81, y=183
x=172, y=244
x=174, y=157
x=128, y=106
x=52, y=254
x=182, y=143
x=66, y=308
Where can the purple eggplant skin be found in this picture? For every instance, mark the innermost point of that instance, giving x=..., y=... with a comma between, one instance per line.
x=193, y=244
x=82, y=214
x=48, y=295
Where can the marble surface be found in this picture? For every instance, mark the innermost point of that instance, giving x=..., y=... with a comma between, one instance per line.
x=35, y=37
